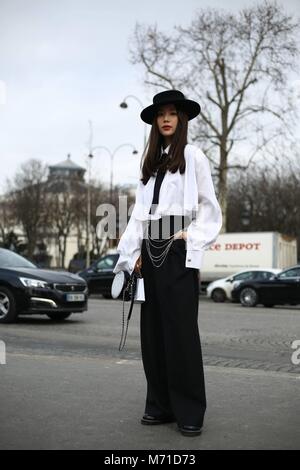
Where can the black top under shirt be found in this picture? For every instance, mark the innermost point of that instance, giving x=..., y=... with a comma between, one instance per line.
x=158, y=181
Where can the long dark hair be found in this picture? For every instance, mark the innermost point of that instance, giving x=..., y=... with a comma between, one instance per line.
x=150, y=161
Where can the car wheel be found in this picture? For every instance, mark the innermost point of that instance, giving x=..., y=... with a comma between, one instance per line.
x=218, y=295
x=58, y=316
x=8, y=309
x=248, y=297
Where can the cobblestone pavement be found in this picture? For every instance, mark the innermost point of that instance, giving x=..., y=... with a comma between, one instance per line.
x=66, y=386
x=231, y=335
x=254, y=338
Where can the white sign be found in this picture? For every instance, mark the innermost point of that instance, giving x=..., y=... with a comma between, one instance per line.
x=235, y=251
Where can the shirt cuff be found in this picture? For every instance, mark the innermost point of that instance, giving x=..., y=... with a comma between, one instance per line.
x=122, y=264
x=194, y=259
x=126, y=263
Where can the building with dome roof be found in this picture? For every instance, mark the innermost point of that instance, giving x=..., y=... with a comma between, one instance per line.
x=66, y=169
x=65, y=182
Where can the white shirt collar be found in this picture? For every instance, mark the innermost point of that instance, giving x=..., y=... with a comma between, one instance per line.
x=166, y=149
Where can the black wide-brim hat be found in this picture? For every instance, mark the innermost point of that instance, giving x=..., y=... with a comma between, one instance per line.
x=190, y=107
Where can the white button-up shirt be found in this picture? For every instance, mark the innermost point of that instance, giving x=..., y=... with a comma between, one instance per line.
x=190, y=193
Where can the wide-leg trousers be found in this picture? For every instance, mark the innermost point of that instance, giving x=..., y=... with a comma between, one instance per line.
x=170, y=341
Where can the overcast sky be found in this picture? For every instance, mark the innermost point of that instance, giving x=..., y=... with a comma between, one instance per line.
x=65, y=62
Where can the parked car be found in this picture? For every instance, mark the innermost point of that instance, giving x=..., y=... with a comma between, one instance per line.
x=246, y=250
x=76, y=265
x=78, y=262
x=99, y=276
x=27, y=289
x=281, y=289
x=220, y=290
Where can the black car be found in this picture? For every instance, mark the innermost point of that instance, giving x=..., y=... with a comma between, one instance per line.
x=282, y=288
x=99, y=276
x=76, y=265
x=26, y=289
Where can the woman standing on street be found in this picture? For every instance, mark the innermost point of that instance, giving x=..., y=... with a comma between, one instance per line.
x=176, y=217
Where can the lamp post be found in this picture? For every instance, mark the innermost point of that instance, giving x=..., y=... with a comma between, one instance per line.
x=112, y=154
x=90, y=157
x=124, y=105
x=89, y=165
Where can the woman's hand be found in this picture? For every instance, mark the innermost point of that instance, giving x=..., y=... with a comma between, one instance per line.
x=138, y=265
x=180, y=234
x=184, y=234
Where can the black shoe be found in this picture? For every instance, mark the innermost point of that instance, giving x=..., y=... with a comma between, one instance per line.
x=149, y=419
x=190, y=430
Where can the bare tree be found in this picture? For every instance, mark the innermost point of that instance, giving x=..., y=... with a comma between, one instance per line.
x=98, y=195
x=238, y=66
x=66, y=201
x=27, y=193
x=7, y=220
x=61, y=208
x=266, y=200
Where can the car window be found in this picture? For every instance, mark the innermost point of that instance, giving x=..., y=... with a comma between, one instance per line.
x=294, y=272
x=106, y=263
x=264, y=275
x=9, y=259
x=243, y=276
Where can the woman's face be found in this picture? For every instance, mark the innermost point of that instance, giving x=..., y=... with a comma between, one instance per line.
x=167, y=120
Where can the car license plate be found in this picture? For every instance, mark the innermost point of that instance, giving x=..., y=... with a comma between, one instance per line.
x=75, y=297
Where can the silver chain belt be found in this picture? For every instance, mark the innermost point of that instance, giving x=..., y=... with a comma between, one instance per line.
x=165, y=243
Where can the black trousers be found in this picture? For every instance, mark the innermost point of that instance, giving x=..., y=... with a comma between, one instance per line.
x=170, y=341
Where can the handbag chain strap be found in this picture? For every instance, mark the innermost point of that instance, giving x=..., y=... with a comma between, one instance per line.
x=131, y=288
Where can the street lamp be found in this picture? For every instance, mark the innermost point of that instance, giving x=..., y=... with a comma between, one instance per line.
x=90, y=157
x=124, y=105
x=89, y=165
x=112, y=154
